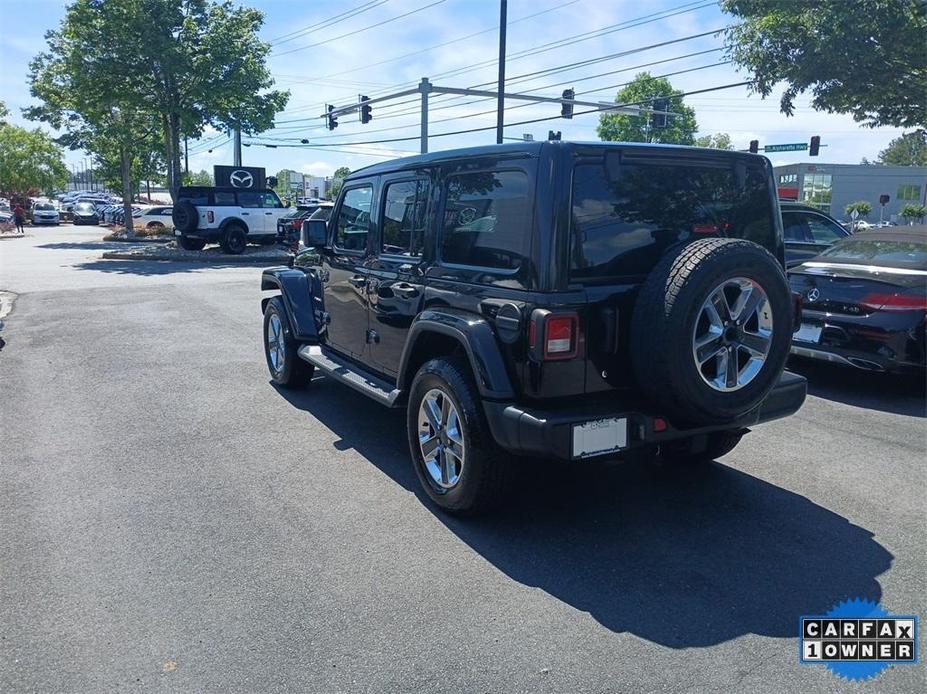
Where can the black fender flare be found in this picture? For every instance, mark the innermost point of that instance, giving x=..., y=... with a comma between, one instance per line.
x=478, y=341
x=234, y=220
x=300, y=293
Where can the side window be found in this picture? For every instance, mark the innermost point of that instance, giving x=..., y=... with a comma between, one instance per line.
x=404, y=210
x=794, y=227
x=354, y=219
x=824, y=231
x=269, y=199
x=167, y=211
x=224, y=198
x=247, y=198
x=486, y=220
x=196, y=198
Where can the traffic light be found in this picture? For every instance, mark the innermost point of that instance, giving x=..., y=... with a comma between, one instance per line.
x=553, y=136
x=566, y=110
x=658, y=121
x=332, y=120
x=754, y=146
x=815, y=146
x=365, y=110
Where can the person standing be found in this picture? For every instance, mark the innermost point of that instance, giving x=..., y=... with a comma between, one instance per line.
x=19, y=215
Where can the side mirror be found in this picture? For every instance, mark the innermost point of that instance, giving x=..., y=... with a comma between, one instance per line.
x=315, y=233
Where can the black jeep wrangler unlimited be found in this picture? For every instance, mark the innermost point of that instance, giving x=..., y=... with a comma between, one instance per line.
x=546, y=300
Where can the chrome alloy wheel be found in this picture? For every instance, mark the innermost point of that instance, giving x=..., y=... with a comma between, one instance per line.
x=733, y=334
x=441, y=439
x=276, y=347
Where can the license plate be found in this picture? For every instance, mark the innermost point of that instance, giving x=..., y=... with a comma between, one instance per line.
x=808, y=333
x=600, y=436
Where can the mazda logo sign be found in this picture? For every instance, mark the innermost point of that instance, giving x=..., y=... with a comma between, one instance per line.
x=241, y=179
x=813, y=295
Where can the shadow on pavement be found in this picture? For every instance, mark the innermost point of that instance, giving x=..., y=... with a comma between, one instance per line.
x=85, y=246
x=684, y=559
x=892, y=393
x=158, y=267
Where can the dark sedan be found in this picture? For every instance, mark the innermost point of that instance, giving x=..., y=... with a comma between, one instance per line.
x=865, y=301
x=85, y=213
x=807, y=231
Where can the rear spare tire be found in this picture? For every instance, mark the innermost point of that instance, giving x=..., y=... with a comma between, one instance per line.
x=711, y=330
x=185, y=216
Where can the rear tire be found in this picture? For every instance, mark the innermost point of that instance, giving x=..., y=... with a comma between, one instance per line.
x=466, y=471
x=189, y=244
x=287, y=368
x=234, y=240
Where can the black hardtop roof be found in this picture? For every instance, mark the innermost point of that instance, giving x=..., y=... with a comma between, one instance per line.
x=516, y=150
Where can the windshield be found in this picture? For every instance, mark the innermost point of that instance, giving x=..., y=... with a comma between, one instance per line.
x=84, y=207
x=908, y=252
x=43, y=206
x=624, y=219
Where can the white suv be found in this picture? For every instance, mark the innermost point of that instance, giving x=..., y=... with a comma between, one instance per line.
x=233, y=217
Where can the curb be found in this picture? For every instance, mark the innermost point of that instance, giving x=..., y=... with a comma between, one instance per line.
x=207, y=259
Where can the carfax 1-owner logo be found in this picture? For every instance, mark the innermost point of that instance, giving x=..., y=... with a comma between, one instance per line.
x=858, y=639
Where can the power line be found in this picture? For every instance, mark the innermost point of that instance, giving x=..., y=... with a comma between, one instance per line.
x=549, y=71
x=645, y=102
x=513, y=107
x=360, y=9
x=560, y=43
x=358, y=31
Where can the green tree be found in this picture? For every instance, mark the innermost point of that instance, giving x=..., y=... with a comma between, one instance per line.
x=181, y=64
x=203, y=64
x=87, y=90
x=30, y=161
x=867, y=58
x=716, y=141
x=197, y=178
x=861, y=206
x=908, y=150
x=283, y=184
x=642, y=90
x=341, y=173
x=914, y=211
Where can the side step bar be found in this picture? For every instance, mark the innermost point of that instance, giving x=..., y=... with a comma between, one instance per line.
x=351, y=375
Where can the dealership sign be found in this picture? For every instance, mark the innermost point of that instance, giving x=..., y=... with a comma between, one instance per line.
x=240, y=176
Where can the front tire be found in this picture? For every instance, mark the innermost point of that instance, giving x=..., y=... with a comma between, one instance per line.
x=234, y=240
x=286, y=367
x=457, y=462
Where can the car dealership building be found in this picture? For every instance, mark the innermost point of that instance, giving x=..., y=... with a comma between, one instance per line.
x=831, y=187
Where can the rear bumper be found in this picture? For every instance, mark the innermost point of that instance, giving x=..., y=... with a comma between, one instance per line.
x=549, y=433
x=876, y=342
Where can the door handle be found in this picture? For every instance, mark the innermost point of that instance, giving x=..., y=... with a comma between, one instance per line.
x=357, y=281
x=268, y=213
x=404, y=290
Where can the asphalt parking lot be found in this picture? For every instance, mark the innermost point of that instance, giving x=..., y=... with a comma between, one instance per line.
x=171, y=521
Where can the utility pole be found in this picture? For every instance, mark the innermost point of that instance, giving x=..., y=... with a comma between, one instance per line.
x=237, y=148
x=424, y=87
x=500, y=106
x=186, y=155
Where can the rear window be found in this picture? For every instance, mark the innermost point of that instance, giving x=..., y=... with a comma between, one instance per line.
x=623, y=222
x=906, y=253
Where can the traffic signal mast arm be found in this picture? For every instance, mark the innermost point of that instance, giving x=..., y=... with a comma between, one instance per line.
x=434, y=89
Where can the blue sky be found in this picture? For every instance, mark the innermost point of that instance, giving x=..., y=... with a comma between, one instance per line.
x=320, y=66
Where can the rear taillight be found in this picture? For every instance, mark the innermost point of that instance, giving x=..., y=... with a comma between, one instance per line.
x=297, y=224
x=553, y=336
x=894, y=302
